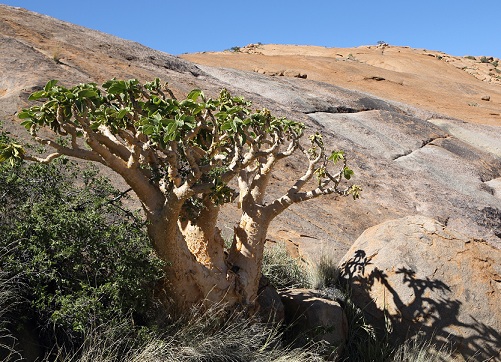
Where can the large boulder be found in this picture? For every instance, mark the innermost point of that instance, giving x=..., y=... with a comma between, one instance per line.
x=421, y=276
x=310, y=316
x=271, y=308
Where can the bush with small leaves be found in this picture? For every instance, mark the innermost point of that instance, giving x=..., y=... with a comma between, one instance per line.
x=81, y=257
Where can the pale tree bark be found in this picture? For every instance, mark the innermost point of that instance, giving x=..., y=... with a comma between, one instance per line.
x=246, y=254
x=197, y=269
x=195, y=263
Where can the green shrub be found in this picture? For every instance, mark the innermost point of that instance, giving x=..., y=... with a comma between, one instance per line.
x=484, y=59
x=82, y=258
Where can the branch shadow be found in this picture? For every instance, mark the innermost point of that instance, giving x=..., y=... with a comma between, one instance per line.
x=429, y=310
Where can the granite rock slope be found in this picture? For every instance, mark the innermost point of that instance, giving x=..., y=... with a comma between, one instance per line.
x=409, y=160
x=419, y=77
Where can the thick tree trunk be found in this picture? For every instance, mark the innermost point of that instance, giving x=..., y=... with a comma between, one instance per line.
x=204, y=238
x=179, y=263
x=246, y=254
x=196, y=269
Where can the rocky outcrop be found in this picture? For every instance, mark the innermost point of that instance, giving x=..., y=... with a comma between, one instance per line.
x=424, y=277
x=281, y=73
x=271, y=308
x=407, y=160
x=309, y=316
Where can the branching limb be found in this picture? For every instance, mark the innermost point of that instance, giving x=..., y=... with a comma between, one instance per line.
x=45, y=160
x=112, y=143
x=317, y=165
x=63, y=150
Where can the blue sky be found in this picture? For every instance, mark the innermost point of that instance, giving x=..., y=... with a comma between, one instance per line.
x=457, y=27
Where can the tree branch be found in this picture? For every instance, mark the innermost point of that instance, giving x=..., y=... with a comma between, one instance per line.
x=62, y=150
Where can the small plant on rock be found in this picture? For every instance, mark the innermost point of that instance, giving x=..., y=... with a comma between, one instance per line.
x=484, y=59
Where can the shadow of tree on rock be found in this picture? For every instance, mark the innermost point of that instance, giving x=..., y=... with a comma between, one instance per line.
x=403, y=303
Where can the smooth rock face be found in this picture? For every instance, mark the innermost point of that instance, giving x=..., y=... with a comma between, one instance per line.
x=429, y=279
x=311, y=316
x=407, y=160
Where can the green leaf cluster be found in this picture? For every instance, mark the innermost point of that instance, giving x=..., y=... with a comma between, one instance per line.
x=121, y=104
x=196, y=128
x=57, y=109
x=175, y=141
x=11, y=152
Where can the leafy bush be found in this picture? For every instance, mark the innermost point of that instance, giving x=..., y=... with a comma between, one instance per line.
x=82, y=258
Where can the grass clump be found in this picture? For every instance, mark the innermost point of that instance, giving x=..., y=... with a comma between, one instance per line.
x=420, y=349
x=363, y=344
x=204, y=335
x=282, y=270
x=324, y=274
x=9, y=298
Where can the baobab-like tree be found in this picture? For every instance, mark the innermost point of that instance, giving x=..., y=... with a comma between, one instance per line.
x=178, y=157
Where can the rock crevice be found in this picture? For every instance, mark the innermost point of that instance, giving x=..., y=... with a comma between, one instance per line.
x=424, y=144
